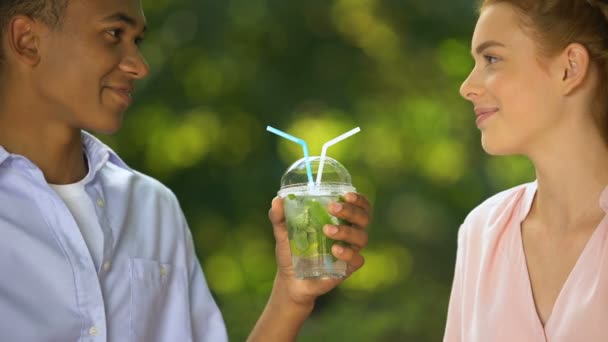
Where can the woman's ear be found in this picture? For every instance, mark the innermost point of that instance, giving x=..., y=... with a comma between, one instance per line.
x=574, y=65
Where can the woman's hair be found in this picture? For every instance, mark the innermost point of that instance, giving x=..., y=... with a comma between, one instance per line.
x=49, y=12
x=554, y=24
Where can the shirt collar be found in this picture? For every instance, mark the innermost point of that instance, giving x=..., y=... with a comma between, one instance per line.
x=3, y=155
x=531, y=192
x=98, y=154
x=604, y=199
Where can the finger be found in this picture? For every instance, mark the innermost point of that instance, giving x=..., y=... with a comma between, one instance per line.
x=354, y=259
x=351, y=235
x=358, y=200
x=276, y=214
x=352, y=213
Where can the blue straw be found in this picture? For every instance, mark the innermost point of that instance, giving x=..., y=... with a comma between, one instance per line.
x=297, y=141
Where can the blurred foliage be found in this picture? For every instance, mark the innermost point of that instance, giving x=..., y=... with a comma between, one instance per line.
x=223, y=70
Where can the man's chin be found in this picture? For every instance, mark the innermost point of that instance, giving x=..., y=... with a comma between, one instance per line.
x=107, y=127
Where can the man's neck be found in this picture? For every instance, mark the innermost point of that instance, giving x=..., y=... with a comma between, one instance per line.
x=53, y=147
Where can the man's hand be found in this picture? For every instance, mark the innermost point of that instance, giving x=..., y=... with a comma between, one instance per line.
x=292, y=300
x=357, y=210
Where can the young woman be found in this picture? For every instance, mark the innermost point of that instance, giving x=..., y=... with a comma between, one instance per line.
x=532, y=261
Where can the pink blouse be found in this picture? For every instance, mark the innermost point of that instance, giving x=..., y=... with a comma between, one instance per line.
x=491, y=298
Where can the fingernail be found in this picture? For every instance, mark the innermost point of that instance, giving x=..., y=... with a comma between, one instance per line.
x=331, y=230
x=339, y=249
x=337, y=207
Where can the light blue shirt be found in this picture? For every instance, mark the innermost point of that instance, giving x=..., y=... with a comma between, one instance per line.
x=149, y=285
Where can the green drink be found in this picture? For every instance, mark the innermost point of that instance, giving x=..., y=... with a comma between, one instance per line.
x=306, y=213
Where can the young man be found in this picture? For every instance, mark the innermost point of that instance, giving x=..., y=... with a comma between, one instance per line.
x=91, y=249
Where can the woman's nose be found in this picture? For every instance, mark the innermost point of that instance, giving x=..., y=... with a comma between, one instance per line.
x=470, y=88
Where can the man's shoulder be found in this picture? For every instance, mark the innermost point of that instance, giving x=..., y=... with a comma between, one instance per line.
x=140, y=185
x=120, y=176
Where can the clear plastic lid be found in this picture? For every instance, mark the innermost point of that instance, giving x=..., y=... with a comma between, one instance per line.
x=335, y=178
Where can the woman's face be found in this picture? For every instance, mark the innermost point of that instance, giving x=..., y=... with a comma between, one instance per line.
x=514, y=94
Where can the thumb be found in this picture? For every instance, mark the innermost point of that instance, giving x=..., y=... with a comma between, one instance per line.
x=277, y=218
x=279, y=225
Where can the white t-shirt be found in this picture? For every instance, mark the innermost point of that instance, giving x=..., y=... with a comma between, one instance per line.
x=80, y=205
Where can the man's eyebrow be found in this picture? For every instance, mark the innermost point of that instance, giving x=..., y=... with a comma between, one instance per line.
x=487, y=44
x=127, y=19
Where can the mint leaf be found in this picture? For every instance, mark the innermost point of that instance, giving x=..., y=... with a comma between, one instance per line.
x=301, y=240
x=318, y=215
x=318, y=218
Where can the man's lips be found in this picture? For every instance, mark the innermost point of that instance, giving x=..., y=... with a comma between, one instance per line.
x=123, y=92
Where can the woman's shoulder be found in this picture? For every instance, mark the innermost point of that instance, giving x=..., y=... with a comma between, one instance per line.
x=497, y=211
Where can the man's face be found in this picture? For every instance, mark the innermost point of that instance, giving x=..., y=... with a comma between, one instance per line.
x=87, y=68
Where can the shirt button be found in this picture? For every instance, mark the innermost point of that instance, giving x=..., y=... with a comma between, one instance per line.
x=93, y=331
x=100, y=203
x=163, y=271
x=106, y=266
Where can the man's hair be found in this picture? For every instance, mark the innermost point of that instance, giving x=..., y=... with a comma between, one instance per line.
x=49, y=12
x=556, y=23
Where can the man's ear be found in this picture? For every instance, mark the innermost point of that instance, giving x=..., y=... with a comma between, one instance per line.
x=23, y=37
x=574, y=65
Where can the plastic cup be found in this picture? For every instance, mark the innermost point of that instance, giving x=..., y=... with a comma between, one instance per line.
x=306, y=212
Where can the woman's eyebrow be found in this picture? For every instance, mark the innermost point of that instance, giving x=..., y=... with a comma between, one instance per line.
x=487, y=44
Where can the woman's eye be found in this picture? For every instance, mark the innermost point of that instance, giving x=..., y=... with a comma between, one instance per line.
x=490, y=59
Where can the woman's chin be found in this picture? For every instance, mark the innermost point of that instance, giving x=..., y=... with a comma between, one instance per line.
x=496, y=148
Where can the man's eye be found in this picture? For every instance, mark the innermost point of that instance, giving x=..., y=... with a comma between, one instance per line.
x=139, y=41
x=116, y=33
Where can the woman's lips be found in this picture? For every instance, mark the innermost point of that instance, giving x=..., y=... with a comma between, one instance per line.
x=483, y=113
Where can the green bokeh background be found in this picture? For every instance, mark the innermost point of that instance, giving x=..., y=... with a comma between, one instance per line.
x=223, y=70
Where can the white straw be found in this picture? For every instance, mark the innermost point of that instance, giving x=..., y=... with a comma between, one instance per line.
x=330, y=143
